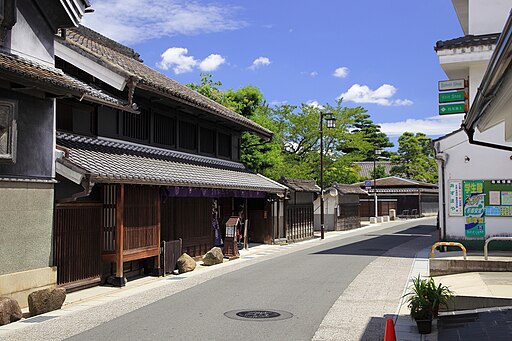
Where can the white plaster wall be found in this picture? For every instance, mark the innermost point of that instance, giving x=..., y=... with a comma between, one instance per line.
x=484, y=164
x=476, y=74
x=488, y=16
x=30, y=44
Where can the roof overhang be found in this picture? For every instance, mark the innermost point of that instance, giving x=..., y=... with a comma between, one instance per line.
x=88, y=65
x=493, y=100
x=68, y=13
x=462, y=10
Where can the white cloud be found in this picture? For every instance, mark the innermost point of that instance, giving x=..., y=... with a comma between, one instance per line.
x=212, y=62
x=313, y=74
x=177, y=59
x=133, y=21
x=381, y=96
x=315, y=104
x=435, y=125
x=341, y=72
x=276, y=103
x=260, y=61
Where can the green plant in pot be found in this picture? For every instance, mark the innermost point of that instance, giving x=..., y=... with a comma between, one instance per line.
x=439, y=295
x=420, y=304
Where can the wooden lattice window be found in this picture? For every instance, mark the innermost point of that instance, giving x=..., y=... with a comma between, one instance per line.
x=8, y=131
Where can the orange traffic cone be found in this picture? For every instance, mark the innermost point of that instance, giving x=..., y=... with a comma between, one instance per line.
x=389, y=332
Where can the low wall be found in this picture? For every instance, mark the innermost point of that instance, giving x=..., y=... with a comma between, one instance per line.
x=444, y=266
x=19, y=285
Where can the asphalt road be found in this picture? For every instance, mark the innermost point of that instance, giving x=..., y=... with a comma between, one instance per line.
x=304, y=283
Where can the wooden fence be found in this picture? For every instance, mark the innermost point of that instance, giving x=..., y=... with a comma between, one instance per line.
x=77, y=247
x=300, y=220
x=171, y=252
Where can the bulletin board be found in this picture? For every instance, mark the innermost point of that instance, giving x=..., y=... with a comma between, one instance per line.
x=498, y=198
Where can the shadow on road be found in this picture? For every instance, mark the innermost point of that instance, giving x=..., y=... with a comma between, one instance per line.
x=383, y=242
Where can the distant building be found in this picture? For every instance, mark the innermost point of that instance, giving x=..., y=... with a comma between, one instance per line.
x=407, y=197
x=299, y=208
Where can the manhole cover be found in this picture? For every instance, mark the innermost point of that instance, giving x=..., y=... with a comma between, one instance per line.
x=258, y=315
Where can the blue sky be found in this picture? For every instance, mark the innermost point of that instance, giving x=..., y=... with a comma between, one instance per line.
x=376, y=54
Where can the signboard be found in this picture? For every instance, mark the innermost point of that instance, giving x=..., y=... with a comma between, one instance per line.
x=457, y=108
x=498, y=198
x=368, y=183
x=452, y=84
x=456, y=96
x=474, y=208
x=455, y=198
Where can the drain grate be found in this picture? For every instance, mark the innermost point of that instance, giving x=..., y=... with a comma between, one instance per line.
x=258, y=315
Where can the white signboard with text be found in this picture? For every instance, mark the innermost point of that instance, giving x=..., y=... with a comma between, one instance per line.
x=455, y=198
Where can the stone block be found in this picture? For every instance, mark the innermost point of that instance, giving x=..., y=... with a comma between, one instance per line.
x=373, y=220
x=214, y=256
x=43, y=301
x=9, y=310
x=186, y=263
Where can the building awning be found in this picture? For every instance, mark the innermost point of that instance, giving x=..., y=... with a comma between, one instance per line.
x=494, y=93
x=114, y=161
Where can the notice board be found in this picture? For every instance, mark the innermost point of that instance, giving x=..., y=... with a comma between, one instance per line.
x=498, y=198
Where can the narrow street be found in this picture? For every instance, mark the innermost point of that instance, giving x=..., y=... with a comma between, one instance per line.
x=305, y=283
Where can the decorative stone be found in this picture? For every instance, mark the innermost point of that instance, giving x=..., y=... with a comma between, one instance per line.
x=9, y=310
x=186, y=263
x=214, y=256
x=43, y=301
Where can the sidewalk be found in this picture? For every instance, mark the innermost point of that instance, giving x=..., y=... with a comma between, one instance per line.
x=472, y=289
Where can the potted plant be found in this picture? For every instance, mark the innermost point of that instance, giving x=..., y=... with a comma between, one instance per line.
x=420, y=304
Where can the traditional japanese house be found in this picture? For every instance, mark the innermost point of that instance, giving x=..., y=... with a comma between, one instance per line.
x=299, y=208
x=29, y=84
x=409, y=198
x=165, y=166
x=342, y=207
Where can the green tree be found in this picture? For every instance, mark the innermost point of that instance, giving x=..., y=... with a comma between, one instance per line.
x=371, y=136
x=415, y=158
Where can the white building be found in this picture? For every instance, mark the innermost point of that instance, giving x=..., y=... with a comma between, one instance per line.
x=475, y=175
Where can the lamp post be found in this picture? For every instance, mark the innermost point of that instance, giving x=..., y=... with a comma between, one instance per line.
x=376, y=152
x=330, y=120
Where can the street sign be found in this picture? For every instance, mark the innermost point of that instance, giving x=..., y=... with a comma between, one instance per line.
x=447, y=97
x=367, y=183
x=457, y=108
x=452, y=84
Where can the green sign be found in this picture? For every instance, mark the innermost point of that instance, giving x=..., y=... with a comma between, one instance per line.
x=474, y=208
x=447, y=109
x=448, y=97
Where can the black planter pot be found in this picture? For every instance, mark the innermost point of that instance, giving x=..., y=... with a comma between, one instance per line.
x=424, y=326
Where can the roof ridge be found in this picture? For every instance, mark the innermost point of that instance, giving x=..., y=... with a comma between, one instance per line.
x=110, y=43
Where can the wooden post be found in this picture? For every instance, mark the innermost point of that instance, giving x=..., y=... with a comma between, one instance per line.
x=119, y=279
x=157, y=271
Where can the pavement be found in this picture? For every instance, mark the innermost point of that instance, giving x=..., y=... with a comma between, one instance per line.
x=404, y=262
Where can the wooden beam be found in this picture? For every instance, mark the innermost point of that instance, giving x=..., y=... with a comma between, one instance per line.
x=119, y=233
x=159, y=229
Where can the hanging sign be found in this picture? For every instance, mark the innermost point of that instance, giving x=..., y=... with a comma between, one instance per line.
x=455, y=198
x=474, y=208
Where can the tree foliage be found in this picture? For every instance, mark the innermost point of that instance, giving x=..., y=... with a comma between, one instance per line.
x=295, y=148
x=415, y=158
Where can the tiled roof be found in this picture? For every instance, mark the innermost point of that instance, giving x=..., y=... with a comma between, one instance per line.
x=126, y=62
x=366, y=168
x=118, y=161
x=395, y=181
x=300, y=185
x=468, y=41
x=50, y=79
x=349, y=189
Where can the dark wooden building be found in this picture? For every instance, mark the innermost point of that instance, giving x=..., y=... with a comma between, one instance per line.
x=299, y=208
x=407, y=197
x=157, y=162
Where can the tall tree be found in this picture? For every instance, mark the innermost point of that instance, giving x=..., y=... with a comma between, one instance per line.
x=373, y=139
x=415, y=158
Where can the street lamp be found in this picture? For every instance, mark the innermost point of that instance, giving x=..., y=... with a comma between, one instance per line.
x=376, y=152
x=331, y=123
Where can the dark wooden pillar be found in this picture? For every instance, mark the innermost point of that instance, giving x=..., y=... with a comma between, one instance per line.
x=119, y=279
x=157, y=271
